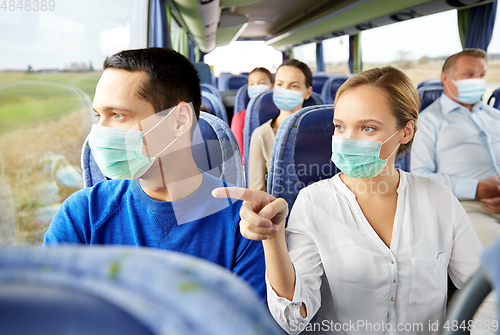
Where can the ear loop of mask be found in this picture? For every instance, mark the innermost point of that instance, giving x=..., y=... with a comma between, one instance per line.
x=453, y=96
x=157, y=155
x=397, y=147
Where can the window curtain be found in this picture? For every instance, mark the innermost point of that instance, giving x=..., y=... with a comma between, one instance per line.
x=475, y=25
x=320, y=60
x=159, y=24
x=191, y=45
x=355, y=63
x=184, y=43
x=179, y=40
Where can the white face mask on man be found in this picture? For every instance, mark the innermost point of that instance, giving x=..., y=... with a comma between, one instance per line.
x=470, y=91
x=118, y=152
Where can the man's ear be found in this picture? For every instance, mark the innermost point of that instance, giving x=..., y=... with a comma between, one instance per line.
x=450, y=89
x=408, y=132
x=444, y=77
x=183, y=119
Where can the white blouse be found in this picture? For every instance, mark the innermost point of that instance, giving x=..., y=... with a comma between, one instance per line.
x=352, y=283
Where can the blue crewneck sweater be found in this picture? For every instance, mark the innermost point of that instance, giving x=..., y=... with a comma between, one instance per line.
x=119, y=212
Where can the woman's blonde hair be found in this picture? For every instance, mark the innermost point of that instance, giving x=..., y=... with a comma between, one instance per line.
x=399, y=90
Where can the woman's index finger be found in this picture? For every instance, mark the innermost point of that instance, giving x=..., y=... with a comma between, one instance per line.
x=239, y=193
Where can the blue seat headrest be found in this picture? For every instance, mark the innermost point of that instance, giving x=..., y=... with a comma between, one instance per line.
x=428, y=94
x=235, y=83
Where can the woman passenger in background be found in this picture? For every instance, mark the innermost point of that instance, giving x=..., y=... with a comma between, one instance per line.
x=293, y=85
x=259, y=80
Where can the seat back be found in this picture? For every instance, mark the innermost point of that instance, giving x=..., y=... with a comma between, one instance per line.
x=302, y=152
x=430, y=82
x=260, y=110
x=241, y=100
x=303, y=142
x=494, y=99
x=465, y=302
x=28, y=308
x=491, y=262
x=319, y=79
x=205, y=73
x=222, y=80
x=214, y=105
x=235, y=82
x=211, y=89
x=123, y=290
x=229, y=81
x=427, y=95
x=214, y=148
x=331, y=86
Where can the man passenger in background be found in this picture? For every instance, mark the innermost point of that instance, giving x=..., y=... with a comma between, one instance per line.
x=458, y=142
x=148, y=103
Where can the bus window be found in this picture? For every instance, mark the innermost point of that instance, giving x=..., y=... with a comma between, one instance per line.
x=51, y=61
x=336, y=55
x=306, y=53
x=400, y=45
x=243, y=56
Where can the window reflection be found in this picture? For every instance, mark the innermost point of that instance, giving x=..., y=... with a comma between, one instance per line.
x=48, y=73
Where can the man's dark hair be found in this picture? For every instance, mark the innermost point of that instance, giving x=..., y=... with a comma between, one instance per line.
x=302, y=67
x=172, y=77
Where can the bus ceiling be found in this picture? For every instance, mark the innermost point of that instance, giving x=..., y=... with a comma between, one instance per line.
x=285, y=23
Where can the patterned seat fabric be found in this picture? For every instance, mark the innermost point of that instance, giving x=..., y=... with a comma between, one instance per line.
x=137, y=291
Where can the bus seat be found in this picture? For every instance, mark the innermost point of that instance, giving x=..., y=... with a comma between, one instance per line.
x=260, y=110
x=241, y=100
x=403, y=161
x=465, y=302
x=319, y=80
x=427, y=95
x=222, y=79
x=430, y=82
x=123, y=290
x=235, y=82
x=302, y=152
x=211, y=89
x=90, y=170
x=491, y=262
x=215, y=150
x=331, y=86
x=214, y=147
x=205, y=73
x=229, y=81
x=314, y=100
x=40, y=308
x=495, y=97
x=214, y=105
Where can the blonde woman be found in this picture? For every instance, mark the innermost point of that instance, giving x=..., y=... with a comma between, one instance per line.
x=369, y=250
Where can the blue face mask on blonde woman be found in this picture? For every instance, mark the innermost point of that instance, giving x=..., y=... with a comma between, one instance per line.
x=373, y=246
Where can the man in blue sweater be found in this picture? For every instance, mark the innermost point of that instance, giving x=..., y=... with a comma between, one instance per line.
x=148, y=102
